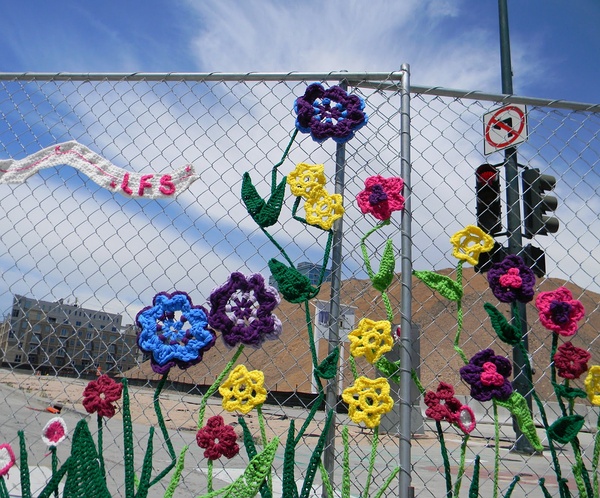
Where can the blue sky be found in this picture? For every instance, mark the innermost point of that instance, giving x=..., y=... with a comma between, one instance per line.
x=451, y=43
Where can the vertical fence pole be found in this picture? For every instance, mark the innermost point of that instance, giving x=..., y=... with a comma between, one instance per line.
x=405, y=489
x=331, y=395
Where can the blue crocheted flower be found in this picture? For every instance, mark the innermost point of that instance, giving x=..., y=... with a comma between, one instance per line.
x=331, y=113
x=173, y=341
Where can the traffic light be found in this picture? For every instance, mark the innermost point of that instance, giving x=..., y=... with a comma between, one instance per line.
x=489, y=207
x=487, y=259
x=536, y=203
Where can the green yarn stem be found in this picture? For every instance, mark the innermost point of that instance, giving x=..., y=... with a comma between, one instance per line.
x=374, y=444
x=553, y=373
x=276, y=166
x=387, y=482
x=3, y=489
x=215, y=385
x=444, y=451
x=164, y=432
x=177, y=474
x=128, y=443
x=263, y=435
x=363, y=246
x=345, y=464
x=541, y=482
x=54, y=464
x=596, y=458
x=209, y=479
x=326, y=482
x=461, y=465
x=474, y=487
x=417, y=381
x=388, y=307
x=328, y=245
x=496, y=448
x=100, y=445
x=276, y=244
x=352, y=362
x=311, y=338
x=459, y=316
x=144, y=483
x=512, y=486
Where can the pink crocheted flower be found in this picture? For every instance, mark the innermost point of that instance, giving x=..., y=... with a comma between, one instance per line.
x=442, y=405
x=381, y=196
x=54, y=432
x=99, y=395
x=559, y=312
x=217, y=439
x=7, y=458
x=571, y=361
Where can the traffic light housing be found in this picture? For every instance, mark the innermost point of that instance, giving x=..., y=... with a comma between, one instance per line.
x=536, y=203
x=489, y=207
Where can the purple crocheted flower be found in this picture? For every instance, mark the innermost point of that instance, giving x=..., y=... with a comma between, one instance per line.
x=487, y=374
x=242, y=310
x=512, y=280
x=171, y=341
x=331, y=113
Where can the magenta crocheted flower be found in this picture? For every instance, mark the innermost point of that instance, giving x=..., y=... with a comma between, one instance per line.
x=100, y=394
x=571, y=361
x=559, y=312
x=169, y=340
x=54, y=432
x=331, y=113
x=217, y=439
x=512, y=280
x=242, y=310
x=487, y=374
x=381, y=196
x=442, y=405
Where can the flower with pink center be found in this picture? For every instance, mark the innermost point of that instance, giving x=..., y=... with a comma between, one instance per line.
x=512, y=280
x=54, y=432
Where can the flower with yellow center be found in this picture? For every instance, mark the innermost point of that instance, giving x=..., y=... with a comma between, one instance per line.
x=470, y=242
x=323, y=209
x=592, y=385
x=306, y=177
x=368, y=400
x=371, y=339
x=243, y=390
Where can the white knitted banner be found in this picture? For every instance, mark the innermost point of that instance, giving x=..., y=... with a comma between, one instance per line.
x=100, y=170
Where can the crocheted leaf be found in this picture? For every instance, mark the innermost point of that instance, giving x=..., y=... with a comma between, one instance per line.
x=569, y=392
x=174, y=482
x=512, y=486
x=517, y=405
x=474, y=488
x=388, y=369
x=328, y=367
x=293, y=286
x=507, y=332
x=447, y=287
x=24, y=467
x=315, y=458
x=289, y=481
x=263, y=213
x=384, y=277
x=265, y=491
x=565, y=429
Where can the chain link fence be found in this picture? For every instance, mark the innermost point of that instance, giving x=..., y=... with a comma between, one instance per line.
x=79, y=262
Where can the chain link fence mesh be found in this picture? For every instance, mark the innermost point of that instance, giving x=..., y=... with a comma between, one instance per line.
x=79, y=262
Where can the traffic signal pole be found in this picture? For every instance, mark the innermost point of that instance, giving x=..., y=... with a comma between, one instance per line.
x=522, y=376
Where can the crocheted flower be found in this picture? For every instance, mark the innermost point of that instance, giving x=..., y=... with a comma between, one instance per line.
x=243, y=390
x=7, y=458
x=512, y=280
x=305, y=178
x=442, y=405
x=381, y=196
x=54, y=432
x=470, y=242
x=217, y=439
x=99, y=395
x=559, y=312
x=331, y=113
x=368, y=400
x=242, y=310
x=571, y=361
x=371, y=339
x=487, y=374
x=592, y=385
x=171, y=341
x=322, y=209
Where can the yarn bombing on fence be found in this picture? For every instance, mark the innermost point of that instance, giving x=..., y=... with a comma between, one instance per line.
x=100, y=170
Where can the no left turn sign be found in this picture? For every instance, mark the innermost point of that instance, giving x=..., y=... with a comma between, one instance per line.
x=504, y=127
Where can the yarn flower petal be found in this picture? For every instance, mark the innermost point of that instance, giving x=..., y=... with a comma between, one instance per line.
x=331, y=113
x=99, y=396
x=368, y=399
x=512, y=280
x=7, y=458
x=381, y=196
x=242, y=310
x=243, y=390
x=54, y=432
x=470, y=242
x=592, y=385
x=217, y=439
x=371, y=339
x=170, y=341
x=559, y=312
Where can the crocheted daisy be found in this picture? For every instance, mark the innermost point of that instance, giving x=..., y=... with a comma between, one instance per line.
x=243, y=390
x=99, y=396
x=371, y=339
x=470, y=242
x=368, y=399
x=217, y=439
x=322, y=209
x=305, y=178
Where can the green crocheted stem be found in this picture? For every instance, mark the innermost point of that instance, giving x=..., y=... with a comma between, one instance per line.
x=128, y=443
x=363, y=246
x=387, y=482
x=474, y=488
x=444, y=451
x=374, y=444
x=144, y=484
x=388, y=307
x=461, y=465
x=459, y=316
x=215, y=385
x=315, y=459
x=265, y=491
x=101, y=444
x=326, y=482
x=596, y=459
x=24, y=467
x=541, y=482
x=276, y=244
x=283, y=157
x=553, y=351
x=417, y=381
x=288, y=481
x=174, y=483
x=3, y=489
x=512, y=486
x=345, y=464
x=54, y=464
x=496, y=449
x=352, y=362
x=311, y=340
x=263, y=435
x=328, y=245
x=209, y=479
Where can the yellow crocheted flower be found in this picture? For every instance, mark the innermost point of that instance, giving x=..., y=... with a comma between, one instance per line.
x=305, y=178
x=243, y=390
x=368, y=400
x=371, y=339
x=592, y=385
x=470, y=242
x=323, y=209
